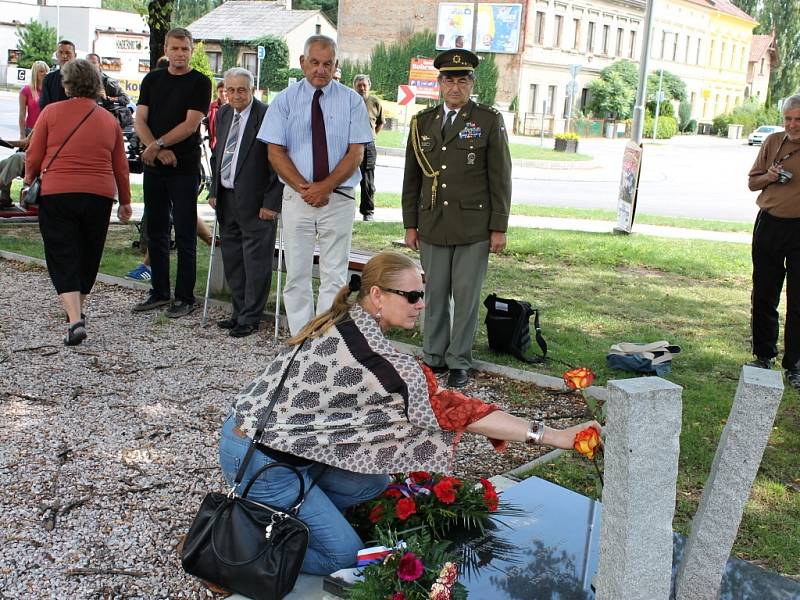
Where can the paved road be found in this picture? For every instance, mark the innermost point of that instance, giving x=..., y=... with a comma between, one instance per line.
x=689, y=176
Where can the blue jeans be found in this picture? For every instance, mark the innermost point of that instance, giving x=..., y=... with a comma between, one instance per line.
x=332, y=542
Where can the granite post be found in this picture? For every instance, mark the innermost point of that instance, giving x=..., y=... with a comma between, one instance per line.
x=642, y=430
x=733, y=471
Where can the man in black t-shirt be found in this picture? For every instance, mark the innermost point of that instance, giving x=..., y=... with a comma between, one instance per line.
x=172, y=102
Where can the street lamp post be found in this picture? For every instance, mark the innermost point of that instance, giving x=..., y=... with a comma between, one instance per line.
x=659, y=98
x=641, y=92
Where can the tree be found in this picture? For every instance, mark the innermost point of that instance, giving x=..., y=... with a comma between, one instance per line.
x=185, y=12
x=329, y=8
x=35, y=42
x=159, y=13
x=389, y=65
x=611, y=96
x=673, y=86
x=275, y=65
x=199, y=61
x=486, y=79
x=782, y=17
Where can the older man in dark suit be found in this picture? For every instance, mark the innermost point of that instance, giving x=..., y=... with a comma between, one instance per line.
x=247, y=197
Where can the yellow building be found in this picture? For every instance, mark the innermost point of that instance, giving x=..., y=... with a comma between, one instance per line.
x=707, y=44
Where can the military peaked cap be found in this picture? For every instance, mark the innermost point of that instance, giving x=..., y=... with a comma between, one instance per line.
x=456, y=59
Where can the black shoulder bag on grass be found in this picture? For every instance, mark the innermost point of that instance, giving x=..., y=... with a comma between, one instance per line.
x=508, y=327
x=246, y=546
x=35, y=188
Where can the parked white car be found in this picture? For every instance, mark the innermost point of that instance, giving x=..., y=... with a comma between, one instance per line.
x=760, y=134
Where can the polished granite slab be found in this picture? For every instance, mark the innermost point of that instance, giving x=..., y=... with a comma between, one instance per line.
x=551, y=553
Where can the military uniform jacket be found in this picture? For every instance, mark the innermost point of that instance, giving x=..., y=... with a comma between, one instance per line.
x=462, y=190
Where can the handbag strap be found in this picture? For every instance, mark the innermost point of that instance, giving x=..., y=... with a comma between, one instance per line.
x=262, y=423
x=83, y=120
x=539, y=340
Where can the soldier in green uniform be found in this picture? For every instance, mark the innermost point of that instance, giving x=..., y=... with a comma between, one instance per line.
x=456, y=201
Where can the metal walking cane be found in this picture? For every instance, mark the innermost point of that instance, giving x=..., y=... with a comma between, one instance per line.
x=280, y=274
x=210, y=267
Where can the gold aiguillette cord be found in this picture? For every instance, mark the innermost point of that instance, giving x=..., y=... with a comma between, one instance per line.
x=422, y=160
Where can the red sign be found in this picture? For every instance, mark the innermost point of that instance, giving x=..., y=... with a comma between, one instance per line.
x=406, y=95
x=424, y=77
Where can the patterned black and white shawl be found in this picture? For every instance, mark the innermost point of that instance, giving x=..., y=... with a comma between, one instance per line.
x=350, y=400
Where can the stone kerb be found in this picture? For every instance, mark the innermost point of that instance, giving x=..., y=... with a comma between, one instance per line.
x=642, y=430
x=733, y=471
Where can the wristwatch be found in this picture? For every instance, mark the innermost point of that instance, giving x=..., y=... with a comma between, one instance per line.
x=160, y=142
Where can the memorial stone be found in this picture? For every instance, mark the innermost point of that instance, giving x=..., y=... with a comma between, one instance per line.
x=733, y=471
x=642, y=434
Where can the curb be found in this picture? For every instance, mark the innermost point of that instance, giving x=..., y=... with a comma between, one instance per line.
x=583, y=165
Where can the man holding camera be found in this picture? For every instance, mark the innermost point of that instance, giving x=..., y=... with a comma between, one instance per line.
x=776, y=245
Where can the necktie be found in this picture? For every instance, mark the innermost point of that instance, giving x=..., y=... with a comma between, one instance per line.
x=448, y=123
x=230, y=148
x=319, y=141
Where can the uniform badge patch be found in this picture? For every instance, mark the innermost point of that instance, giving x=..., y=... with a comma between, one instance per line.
x=471, y=158
x=470, y=132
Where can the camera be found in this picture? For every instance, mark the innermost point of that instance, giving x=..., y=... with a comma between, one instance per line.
x=784, y=176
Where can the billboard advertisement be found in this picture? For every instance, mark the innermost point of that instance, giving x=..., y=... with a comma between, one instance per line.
x=498, y=28
x=455, y=25
x=424, y=77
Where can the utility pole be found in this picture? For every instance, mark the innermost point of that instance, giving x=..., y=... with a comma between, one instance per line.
x=641, y=92
x=572, y=89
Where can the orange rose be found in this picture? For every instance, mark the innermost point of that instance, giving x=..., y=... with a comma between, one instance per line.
x=578, y=379
x=587, y=441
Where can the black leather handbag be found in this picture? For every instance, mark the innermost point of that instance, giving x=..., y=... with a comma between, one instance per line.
x=245, y=546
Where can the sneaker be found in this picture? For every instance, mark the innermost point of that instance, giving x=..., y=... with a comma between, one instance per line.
x=76, y=333
x=761, y=362
x=140, y=273
x=793, y=377
x=152, y=302
x=179, y=309
x=369, y=217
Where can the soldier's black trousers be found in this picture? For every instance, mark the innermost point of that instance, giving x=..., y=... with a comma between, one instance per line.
x=367, y=206
x=776, y=256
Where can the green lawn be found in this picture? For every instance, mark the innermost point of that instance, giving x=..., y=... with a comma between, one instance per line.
x=396, y=139
x=598, y=289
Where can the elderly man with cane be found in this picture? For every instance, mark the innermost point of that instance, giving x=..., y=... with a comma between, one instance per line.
x=246, y=194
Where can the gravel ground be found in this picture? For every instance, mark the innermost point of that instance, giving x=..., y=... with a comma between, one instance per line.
x=108, y=448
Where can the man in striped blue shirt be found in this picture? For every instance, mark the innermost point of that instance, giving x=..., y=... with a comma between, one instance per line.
x=316, y=130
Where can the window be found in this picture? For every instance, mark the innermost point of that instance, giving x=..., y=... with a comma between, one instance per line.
x=675, y=48
x=249, y=62
x=761, y=67
x=711, y=52
x=215, y=60
x=663, y=43
x=606, y=34
x=577, y=39
x=632, y=49
x=590, y=37
x=741, y=59
x=551, y=99
x=697, y=56
x=557, y=26
x=538, y=32
x=620, y=35
x=584, y=98
x=722, y=54
x=686, y=52
x=534, y=94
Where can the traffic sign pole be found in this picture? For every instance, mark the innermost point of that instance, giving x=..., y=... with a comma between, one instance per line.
x=262, y=52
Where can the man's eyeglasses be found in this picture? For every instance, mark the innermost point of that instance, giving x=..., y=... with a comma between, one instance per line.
x=413, y=296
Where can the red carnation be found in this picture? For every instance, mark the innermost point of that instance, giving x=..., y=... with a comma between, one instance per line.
x=393, y=493
x=398, y=596
x=444, y=491
x=419, y=476
x=491, y=499
x=405, y=508
x=410, y=567
x=376, y=513
x=453, y=480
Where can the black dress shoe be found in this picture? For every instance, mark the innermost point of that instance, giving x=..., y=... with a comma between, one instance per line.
x=241, y=331
x=442, y=369
x=227, y=323
x=457, y=378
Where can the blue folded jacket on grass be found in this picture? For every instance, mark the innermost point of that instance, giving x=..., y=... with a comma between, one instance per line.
x=637, y=363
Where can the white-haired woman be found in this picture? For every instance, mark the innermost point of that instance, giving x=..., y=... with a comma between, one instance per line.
x=29, y=98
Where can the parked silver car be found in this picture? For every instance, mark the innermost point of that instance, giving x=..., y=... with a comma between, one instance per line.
x=760, y=134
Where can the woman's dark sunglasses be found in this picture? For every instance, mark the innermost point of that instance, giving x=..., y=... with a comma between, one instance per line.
x=413, y=297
